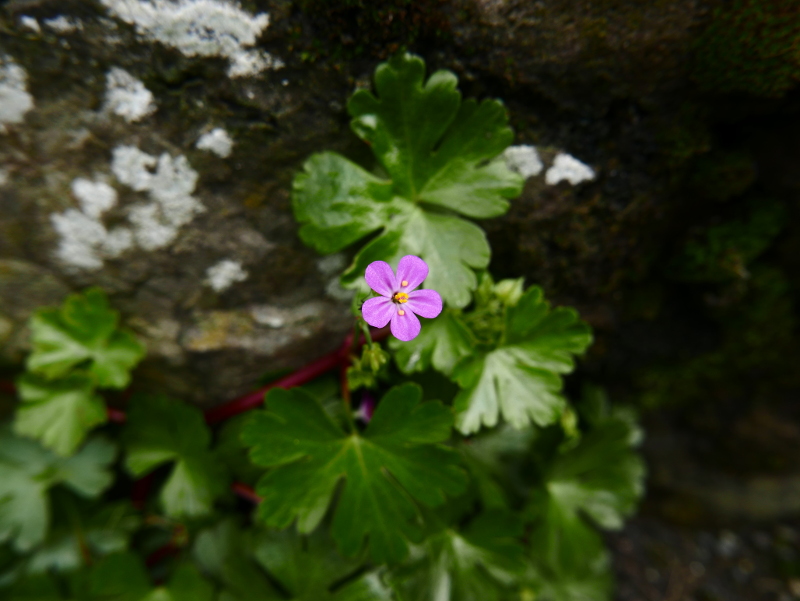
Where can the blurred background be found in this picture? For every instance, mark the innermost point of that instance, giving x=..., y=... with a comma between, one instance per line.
x=681, y=249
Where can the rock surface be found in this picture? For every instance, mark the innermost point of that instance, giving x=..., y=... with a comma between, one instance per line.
x=156, y=163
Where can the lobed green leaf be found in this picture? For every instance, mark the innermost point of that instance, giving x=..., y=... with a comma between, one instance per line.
x=395, y=461
x=28, y=471
x=521, y=378
x=158, y=431
x=441, y=156
x=83, y=330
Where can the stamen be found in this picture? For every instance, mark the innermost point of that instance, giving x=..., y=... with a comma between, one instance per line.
x=404, y=283
x=401, y=312
x=401, y=297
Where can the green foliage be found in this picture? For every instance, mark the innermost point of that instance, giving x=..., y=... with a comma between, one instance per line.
x=83, y=333
x=520, y=377
x=599, y=480
x=441, y=344
x=478, y=563
x=441, y=161
x=160, y=431
x=507, y=354
x=395, y=461
x=76, y=348
x=388, y=505
x=364, y=372
x=28, y=471
x=750, y=46
x=58, y=412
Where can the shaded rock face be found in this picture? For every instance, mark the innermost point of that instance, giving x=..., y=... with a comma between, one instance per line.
x=155, y=162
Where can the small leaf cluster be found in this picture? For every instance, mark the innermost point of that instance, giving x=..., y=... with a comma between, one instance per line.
x=77, y=349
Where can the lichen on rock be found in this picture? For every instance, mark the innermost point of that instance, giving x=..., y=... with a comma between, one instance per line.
x=15, y=101
x=200, y=28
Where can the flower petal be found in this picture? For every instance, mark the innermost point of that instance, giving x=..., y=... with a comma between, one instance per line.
x=425, y=303
x=405, y=327
x=412, y=270
x=380, y=278
x=378, y=311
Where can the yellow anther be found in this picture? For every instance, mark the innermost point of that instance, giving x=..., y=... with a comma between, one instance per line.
x=401, y=312
x=401, y=297
x=404, y=283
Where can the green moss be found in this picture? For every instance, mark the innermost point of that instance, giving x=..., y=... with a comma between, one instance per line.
x=757, y=356
x=724, y=252
x=364, y=27
x=750, y=46
x=721, y=175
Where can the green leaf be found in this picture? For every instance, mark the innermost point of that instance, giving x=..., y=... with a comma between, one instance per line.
x=598, y=482
x=338, y=202
x=58, y=413
x=436, y=148
x=28, y=471
x=118, y=577
x=442, y=156
x=452, y=247
x=477, y=564
x=310, y=569
x=441, y=344
x=83, y=531
x=232, y=452
x=160, y=430
x=123, y=577
x=521, y=377
x=37, y=588
x=226, y=553
x=83, y=330
x=395, y=461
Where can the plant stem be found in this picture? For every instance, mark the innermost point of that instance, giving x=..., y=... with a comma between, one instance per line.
x=302, y=376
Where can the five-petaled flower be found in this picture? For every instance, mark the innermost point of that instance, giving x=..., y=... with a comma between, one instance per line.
x=399, y=302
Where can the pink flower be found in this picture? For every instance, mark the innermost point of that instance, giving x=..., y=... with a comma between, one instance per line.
x=399, y=302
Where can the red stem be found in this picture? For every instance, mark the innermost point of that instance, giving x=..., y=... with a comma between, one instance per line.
x=116, y=416
x=141, y=488
x=298, y=378
x=245, y=492
x=163, y=552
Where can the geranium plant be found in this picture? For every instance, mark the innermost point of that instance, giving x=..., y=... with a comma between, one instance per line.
x=447, y=466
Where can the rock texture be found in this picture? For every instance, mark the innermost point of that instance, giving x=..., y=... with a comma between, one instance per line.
x=142, y=157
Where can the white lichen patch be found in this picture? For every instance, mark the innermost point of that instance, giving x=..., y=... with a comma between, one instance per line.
x=200, y=28
x=217, y=141
x=63, y=24
x=127, y=97
x=523, y=160
x=224, y=274
x=14, y=98
x=567, y=167
x=30, y=23
x=169, y=182
x=95, y=197
x=85, y=241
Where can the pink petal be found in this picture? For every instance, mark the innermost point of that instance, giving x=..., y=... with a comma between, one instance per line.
x=405, y=327
x=378, y=311
x=380, y=278
x=412, y=270
x=425, y=303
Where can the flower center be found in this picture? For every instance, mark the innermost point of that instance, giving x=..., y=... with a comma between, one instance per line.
x=401, y=297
